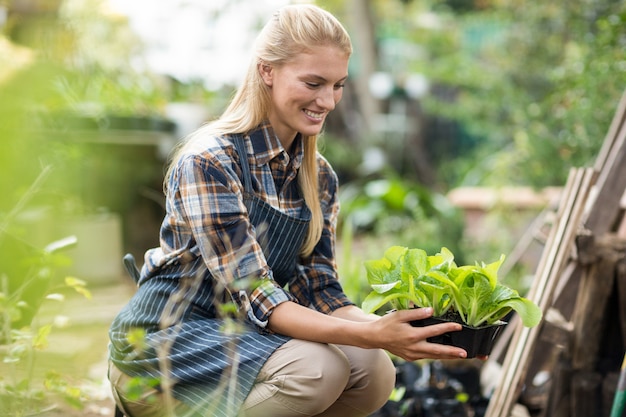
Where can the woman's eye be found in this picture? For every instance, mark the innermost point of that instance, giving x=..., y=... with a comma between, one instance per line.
x=312, y=85
x=339, y=86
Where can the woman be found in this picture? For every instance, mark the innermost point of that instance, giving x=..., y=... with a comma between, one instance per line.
x=239, y=311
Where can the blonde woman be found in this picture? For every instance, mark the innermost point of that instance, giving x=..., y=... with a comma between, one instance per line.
x=250, y=223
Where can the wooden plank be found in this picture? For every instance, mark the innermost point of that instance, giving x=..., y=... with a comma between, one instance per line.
x=599, y=213
x=500, y=400
x=499, y=348
x=553, y=259
x=559, y=404
x=551, y=240
x=566, y=289
x=595, y=289
x=602, y=214
x=609, y=141
x=555, y=238
x=586, y=395
x=621, y=229
x=563, y=247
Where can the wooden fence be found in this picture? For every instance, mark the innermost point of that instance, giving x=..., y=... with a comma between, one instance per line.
x=568, y=366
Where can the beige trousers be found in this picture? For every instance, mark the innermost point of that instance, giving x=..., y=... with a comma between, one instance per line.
x=300, y=379
x=314, y=379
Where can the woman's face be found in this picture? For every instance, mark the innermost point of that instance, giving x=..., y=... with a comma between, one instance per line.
x=304, y=91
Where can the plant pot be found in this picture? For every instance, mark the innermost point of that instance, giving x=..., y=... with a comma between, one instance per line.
x=477, y=341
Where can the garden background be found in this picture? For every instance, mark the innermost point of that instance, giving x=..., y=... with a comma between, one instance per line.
x=459, y=123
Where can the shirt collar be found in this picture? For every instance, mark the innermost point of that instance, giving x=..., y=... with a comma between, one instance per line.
x=266, y=146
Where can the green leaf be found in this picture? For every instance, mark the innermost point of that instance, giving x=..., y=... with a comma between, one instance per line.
x=395, y=253
x=79, y=286
x=378, y=271
x=41, y=340
x=437, y=297
x=529, y=312
x=443, y=261
x=383, y=288
x=373, y=302
x=416, y=262
x=475, y=298
x=405, y=277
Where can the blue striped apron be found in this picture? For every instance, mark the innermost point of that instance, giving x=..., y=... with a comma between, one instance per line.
x=214, y=370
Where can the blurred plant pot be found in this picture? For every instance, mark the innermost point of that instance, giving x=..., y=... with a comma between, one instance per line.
x=97, y=256
x=140, y=123
x=477, y=341
x=111, y=122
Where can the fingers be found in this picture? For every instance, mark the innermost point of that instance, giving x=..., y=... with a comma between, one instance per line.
x=438, y=329
x=416, y=345
x=436, y=350
x=414, y=314
x=427, y=350
x=426, y=331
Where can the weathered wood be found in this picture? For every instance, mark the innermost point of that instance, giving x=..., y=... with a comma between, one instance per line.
x=557, y=330
x=541, y=382
x=609, y=141
x=559, y=247
x=503, y=341
x=608, y=246
x=567, y=289
x=595, y=288
x=602, y=216
x=559, y=404
x=586, y=248
x=586, y=394
x=533, y=234
x=554, y=257
x=553, y=343
x=621, y=229
x=591, y=206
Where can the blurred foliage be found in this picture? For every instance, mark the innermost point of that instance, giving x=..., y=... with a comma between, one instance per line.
x=100, y=56
x=79, y=64
x=401, y=210
x=29, y=279
x=52, y=69
x=535, y=84
x=519, y=93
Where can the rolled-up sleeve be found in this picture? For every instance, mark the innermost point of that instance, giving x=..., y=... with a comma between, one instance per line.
x=264, y=298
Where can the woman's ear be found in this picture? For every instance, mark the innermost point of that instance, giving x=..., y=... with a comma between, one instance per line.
x=266, y=72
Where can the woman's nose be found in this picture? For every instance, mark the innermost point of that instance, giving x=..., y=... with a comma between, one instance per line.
x=326, y=98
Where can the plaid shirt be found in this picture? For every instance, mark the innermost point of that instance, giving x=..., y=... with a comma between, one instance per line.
x=206, y=217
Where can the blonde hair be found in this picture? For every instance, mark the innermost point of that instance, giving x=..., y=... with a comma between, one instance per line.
x=292, y=30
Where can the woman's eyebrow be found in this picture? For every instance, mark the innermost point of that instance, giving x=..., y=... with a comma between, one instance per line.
x=320, y=78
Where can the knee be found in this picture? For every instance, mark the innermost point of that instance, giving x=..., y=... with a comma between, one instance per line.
x=324, y=381
x=379, y=381
x=303, y=378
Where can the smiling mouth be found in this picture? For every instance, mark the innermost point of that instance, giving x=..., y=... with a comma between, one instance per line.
x=314, y=115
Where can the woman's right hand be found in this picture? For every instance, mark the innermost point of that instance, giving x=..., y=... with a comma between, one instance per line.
x=394, y=333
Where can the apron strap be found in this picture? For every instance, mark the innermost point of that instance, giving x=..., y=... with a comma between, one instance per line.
x=243, y=156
